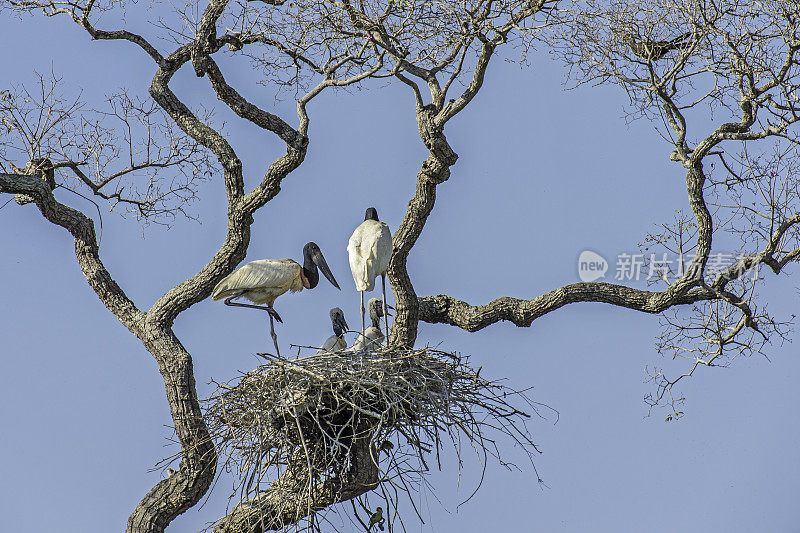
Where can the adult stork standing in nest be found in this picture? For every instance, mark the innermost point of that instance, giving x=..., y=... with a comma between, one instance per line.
x=370, y=249
x=335, y=342
x=373, y=337
x=264, y=280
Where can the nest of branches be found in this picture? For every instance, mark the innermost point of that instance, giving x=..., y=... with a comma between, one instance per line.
x=303, y=434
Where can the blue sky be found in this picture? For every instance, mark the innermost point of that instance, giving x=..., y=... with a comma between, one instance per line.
x=543, y=174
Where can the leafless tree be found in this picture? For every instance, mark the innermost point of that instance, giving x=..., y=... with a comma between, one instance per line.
x=66, y=147
x=674, y=58
x=733, y=60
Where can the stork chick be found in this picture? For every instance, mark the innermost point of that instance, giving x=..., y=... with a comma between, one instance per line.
x=335, y=342
x=372, y=338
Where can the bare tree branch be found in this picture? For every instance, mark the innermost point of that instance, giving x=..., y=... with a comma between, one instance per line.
x=286, y=502
x=86, y=250
x=522, y=313
x=130, y=154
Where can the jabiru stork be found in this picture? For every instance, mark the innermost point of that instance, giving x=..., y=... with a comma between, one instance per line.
x=262, y=281
x=370, y=249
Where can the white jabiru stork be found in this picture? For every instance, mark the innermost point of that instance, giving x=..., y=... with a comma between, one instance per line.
x=370, y=249
x=264, y=280
x=335, y=342
x=373, y=337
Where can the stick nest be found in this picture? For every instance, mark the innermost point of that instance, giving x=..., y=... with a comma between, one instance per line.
x=309, y=419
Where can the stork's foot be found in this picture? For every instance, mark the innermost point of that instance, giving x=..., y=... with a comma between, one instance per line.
x=274, y=314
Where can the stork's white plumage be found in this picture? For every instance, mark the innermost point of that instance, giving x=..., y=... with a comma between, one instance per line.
x=335, y=342
x=264, y=280
x=370, y=249
x=370, y=342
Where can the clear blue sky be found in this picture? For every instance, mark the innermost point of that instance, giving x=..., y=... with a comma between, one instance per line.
x=543, y=174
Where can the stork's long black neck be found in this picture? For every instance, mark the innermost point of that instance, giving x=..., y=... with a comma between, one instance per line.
x=310, y=270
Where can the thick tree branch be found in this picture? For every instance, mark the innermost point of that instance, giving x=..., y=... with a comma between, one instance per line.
x=87, y=252
x=434, y=170
x=185, y=486
x=454, y=106
x=250, y=112
x=234, y=248
x=171, y=496
x=293, y=497
x=194, y=127
x=522, y=313
x=447, y=310
x=206, y=40
x=431, y=120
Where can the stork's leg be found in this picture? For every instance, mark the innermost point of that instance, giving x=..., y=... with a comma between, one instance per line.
x=273, y=315
x=272, y=312
x=274, y=336
x=385, y=312
x=362, y=315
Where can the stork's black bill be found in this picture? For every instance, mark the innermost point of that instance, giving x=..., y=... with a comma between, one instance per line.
x=338, y=321
x=323, y=266
x=371, y=214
